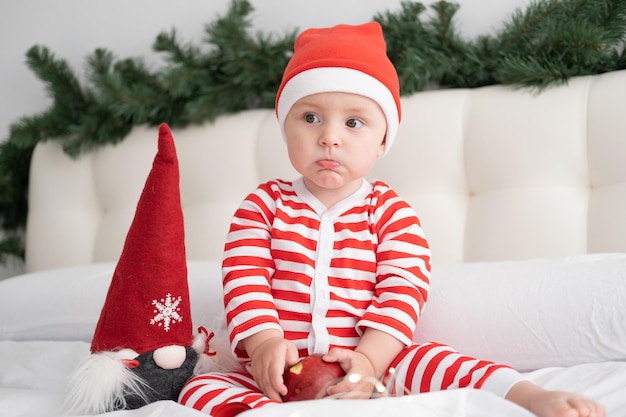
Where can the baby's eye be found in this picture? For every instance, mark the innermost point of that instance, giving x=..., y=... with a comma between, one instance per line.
x=354, y=123
x=311, y=118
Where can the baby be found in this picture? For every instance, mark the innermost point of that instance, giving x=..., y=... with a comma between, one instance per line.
x=335, y=264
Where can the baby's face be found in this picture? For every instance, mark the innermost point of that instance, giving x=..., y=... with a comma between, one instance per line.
x=333, y=140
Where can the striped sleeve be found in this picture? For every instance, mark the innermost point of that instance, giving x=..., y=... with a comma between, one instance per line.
x=247, y=269
x=402, y=267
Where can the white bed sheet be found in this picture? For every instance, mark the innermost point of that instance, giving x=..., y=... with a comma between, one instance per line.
x=33, y=376
x=47, y=320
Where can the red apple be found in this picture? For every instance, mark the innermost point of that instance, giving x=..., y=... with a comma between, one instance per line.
x=309, y=378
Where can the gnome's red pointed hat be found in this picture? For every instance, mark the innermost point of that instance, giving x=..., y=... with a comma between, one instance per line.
x=147, y=305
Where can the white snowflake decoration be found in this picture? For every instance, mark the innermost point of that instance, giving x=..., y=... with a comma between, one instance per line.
x=166, y=312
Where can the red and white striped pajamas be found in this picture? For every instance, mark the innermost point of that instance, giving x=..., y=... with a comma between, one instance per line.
x=322, y=276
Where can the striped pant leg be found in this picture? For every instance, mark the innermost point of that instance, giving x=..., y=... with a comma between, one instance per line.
x=434, y=367
x=207, y=391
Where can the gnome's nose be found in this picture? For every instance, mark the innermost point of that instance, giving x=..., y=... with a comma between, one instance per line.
x=170, y=357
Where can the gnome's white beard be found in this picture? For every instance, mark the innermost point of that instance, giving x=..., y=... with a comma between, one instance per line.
x=101, y=382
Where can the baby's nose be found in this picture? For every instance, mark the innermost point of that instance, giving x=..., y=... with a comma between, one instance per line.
x=330, y=136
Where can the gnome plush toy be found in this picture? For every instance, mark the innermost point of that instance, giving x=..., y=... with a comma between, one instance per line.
x=142, y=351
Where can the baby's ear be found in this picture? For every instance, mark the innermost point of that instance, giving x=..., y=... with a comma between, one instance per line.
x=381, y=148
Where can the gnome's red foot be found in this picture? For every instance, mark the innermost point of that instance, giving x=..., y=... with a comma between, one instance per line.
x=229, y=410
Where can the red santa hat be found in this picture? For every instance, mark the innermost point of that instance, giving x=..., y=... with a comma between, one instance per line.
x=147, y=306
x=343, y=58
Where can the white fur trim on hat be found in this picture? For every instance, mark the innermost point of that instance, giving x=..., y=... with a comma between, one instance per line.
x=344, y=80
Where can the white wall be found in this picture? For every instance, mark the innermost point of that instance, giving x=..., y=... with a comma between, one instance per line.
x=73, y=29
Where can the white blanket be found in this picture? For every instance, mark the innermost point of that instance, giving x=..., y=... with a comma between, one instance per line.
x=33, y=375
x=567, y=313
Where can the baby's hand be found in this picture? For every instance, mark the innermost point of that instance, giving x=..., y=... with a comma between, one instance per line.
x=268, y=362
x=359, y=380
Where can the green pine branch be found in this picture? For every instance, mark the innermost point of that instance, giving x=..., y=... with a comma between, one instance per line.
x=11, y=248
x=233, y=69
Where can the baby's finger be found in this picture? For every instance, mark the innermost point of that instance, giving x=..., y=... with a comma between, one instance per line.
x=276, y=379
x=350, y=387
x=266, y=384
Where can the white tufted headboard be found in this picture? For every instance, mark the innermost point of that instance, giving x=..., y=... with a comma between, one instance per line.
x=494, y=174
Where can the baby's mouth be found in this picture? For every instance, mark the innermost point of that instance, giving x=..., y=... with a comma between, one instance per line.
x=328, y=164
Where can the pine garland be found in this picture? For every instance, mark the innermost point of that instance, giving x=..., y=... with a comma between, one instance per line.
x=539, y=47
